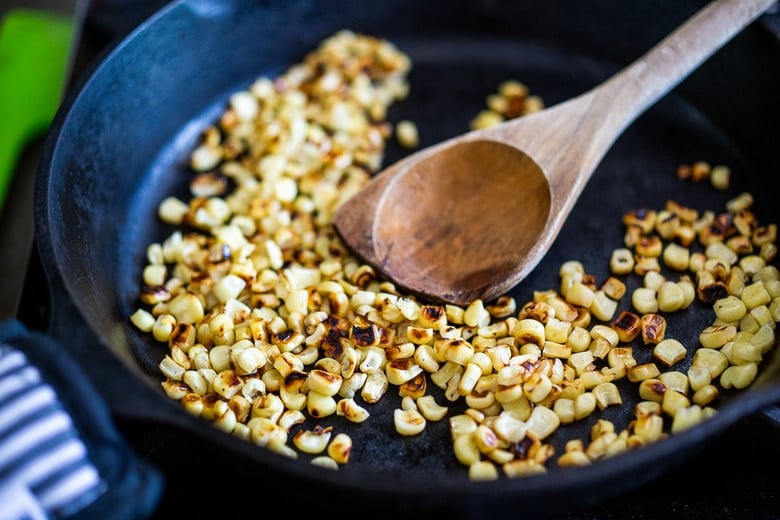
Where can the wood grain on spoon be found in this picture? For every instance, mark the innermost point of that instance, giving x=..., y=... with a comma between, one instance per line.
x=470, y=217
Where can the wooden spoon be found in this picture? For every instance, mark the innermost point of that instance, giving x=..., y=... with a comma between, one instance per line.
x=470, y=217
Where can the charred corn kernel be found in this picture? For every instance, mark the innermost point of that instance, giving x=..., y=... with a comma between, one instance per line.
x=667, y=222
x=340, y=448
x=627, y=326
x=529, y=330
x=314, y=441
x=644, y=218
x=621, y=261
x=415, y=387
x=669, y=351
x=419, y=335
x=646, y=264
x=556, y=350
x=291, y=418
x=649, y=428
x=400, y=371
x=644, y=300
x=652, y=390
x=319, y=405
x=486, y=439
x=670, y=297
x=649, y=246
x=643, y=372
x=653, y=327
x=739, y=376
x=584, y=405
x=715, y=336
x=494, y=330
x=755, y=295
x=763, y=235
x=408, y=422
x=350, y=410
x=711, y=359
x=603, y=307
x=614, y=288
x=768, y=251
x=673, y=401
x=705, y=395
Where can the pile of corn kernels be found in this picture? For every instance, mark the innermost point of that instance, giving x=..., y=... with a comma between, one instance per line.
x=271, y=324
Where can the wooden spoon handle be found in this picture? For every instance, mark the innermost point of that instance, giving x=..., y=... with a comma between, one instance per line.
x=657, y=72
x=576, y=134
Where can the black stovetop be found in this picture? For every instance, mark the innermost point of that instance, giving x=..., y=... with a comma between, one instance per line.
x=735, y=476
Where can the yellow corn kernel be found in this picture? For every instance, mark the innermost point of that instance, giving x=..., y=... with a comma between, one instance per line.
x=652, y=390
x=669, y=351
x=670, y=297
x=711, y=359
x=529, y=330
x=676, y=257
x=313, y=441
x=644, y=300
x=603, y=307
x=739, y=376
x=705, y=395
x=673, y=401
x=607, y=394
x=584, y=405
x=622, y=261
x=715, y=336
x=755, y=295
x=643, y=372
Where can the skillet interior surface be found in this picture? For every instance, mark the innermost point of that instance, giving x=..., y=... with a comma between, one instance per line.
x=121, y=146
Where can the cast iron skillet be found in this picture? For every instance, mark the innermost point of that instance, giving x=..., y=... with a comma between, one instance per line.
x=120, y=142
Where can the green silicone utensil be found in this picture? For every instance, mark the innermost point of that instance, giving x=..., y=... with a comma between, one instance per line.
x=35, y=53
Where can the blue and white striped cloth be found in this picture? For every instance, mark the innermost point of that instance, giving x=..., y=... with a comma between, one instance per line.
x=45, y=471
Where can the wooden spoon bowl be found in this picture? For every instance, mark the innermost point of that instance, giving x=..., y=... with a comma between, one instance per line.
x=470, y=217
